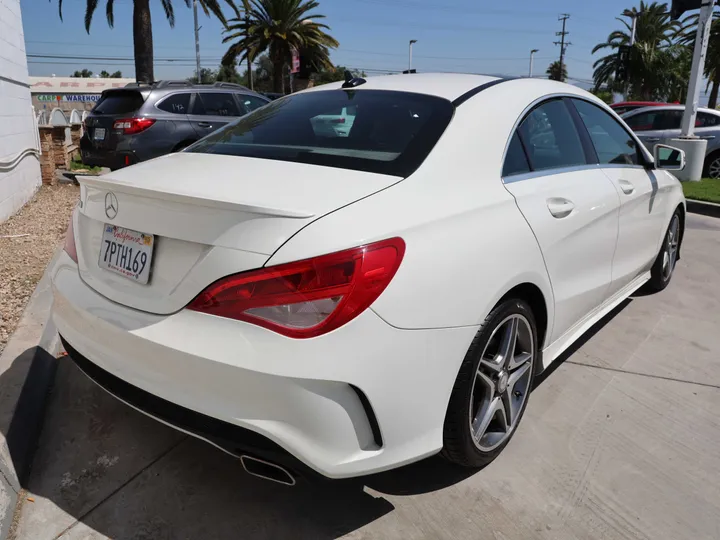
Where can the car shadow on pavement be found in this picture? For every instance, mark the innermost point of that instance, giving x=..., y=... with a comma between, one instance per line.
x=102, y=466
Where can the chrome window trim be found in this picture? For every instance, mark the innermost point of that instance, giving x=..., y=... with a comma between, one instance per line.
x=558, y=170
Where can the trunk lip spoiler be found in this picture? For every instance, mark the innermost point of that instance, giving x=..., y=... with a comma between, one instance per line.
x=187, y=198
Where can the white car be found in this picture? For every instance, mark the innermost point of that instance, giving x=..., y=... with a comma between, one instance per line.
x=346, y=304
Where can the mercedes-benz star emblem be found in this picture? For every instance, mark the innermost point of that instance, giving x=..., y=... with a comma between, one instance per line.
x=111, y=205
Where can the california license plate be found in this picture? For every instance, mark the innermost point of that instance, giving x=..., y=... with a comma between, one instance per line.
x=127, y=252
x=99, y=134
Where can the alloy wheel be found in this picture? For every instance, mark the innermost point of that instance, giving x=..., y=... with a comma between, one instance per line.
x=670, y=247
x=502, y=383
x=714, y=168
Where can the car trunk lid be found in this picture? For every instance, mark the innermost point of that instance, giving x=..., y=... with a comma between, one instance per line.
x=211, y=215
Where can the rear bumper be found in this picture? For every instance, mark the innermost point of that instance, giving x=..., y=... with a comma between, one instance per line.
x=362, y=399
x=113, y=158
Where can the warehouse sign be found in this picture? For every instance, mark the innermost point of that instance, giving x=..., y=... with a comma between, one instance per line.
x=85, y=98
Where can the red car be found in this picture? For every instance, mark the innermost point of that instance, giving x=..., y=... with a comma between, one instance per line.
x=624, y=106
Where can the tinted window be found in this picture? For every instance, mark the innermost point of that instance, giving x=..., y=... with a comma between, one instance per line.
x=389, y=132
x=550, y=137
x=119, y=102
x=177, y=103
x=655, y=120
x=215, y=104
x=612, y=143
x=515, y=160
x=250, y=103
x=707, y=120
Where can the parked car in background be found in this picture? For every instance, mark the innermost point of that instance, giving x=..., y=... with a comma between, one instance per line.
x=319, y=301
x=141, y=122
x=655, y=124
x=272, y=95
x=625, y=106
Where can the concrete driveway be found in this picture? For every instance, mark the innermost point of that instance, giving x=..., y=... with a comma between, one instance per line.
x=621, y=440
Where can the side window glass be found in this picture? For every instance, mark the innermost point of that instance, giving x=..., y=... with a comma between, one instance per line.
x=176, y=104
x=550, y=137
x=251, y=102
x=215, y=104
x=671, y=119
x=612, y=143
x=707, y=120
x=641, y=122
x=515, y=160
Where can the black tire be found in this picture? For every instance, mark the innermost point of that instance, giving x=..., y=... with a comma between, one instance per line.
x=459, y=445
x=660, y=274
x=715, y=156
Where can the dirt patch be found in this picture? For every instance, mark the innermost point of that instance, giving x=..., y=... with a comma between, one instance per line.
x=27, y=242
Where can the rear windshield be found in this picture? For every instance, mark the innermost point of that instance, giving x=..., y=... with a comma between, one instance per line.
x=368, y=130
x=119, y=102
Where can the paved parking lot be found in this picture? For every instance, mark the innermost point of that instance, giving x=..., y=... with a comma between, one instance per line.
x=621, y=440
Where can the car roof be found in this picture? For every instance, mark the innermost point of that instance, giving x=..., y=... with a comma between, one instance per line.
x=445, y=85
x=635, y=112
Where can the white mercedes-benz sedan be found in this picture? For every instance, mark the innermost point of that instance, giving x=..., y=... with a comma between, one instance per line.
x=363, y=274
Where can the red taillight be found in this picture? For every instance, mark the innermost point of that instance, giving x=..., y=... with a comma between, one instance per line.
x=130, y=126
x=70, y=248
x=306, y=298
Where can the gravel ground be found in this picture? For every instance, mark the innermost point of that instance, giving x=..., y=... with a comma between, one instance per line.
x=23, y=259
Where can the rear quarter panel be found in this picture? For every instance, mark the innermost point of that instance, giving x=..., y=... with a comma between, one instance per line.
x=467, y=242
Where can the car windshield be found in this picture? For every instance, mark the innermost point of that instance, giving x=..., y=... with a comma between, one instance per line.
x=369, y=130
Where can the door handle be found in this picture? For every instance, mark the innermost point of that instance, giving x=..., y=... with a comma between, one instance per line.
x=204, y=124
x=626, y=186
x=652, y=139
x=560, y=207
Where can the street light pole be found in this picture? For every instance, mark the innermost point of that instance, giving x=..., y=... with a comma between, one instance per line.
x=532, y=55
x=410, y=53
x=698, y=67
x=197, y=42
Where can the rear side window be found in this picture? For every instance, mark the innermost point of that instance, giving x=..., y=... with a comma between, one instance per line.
x=378, y=131
x=515, y=160
x=176, y=103
x=250, y=103
x=612, y=143
x=215, y=104
x=119, y=102
x=707, y=120
x=550, y=137
x=655, y=120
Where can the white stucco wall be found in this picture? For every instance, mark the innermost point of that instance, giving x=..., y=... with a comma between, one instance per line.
x=18, y=183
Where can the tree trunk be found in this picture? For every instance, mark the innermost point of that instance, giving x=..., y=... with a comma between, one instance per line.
x=142, y=41
x=712, y=100
x=278, y=76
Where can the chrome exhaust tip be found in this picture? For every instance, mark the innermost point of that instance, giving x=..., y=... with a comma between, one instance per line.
x=266, y=470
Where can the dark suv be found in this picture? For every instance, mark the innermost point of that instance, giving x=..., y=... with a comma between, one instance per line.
x=140, y=121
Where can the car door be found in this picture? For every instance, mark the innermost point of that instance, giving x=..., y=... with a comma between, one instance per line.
x=212, y=110
x=654, y=125
x=642, y=202
x=707, y=126
x=571, y=206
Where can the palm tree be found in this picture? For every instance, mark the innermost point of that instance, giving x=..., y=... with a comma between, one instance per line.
x=712, y=60
x=648, y=61
x=142, y=27
x=278, y=27
x=557, y=72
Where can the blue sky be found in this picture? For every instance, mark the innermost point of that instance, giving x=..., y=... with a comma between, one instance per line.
x=460, y=35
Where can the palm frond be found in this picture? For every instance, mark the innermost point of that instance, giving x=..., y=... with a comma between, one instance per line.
x=89, y=12
x=109, y=14
x=169, y=12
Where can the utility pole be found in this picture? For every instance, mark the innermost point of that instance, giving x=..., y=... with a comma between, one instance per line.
x=249, y=61
x=410, y=54
x=564, y=17
x=532, y=55
x=197, y=43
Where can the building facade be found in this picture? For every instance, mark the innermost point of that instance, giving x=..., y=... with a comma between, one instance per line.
x=19, y=164
x=68, y=93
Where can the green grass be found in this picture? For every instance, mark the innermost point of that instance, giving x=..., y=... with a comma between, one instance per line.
x=78, y=165
x=707, y=189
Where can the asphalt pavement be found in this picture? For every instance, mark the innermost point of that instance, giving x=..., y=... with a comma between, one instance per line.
x=621, y=440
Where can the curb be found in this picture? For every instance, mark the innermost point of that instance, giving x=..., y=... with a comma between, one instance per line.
x=27, y=371
x=702, y=207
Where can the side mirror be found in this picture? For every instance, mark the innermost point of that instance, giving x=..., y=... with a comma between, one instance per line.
x=668, y=158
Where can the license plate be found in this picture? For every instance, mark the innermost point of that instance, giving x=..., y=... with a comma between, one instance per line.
x=99, y=134
x=127, y=252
